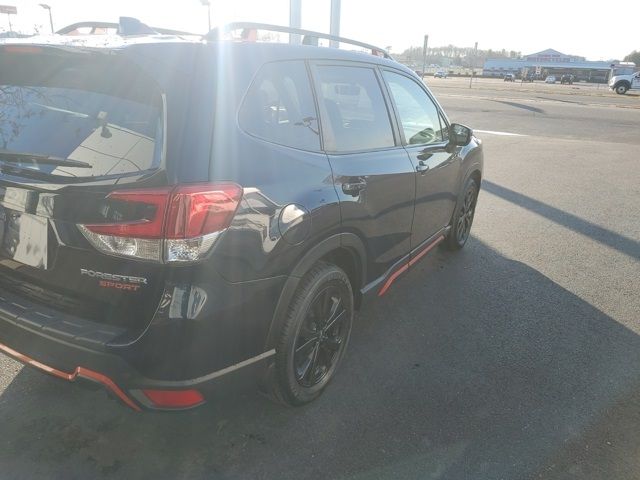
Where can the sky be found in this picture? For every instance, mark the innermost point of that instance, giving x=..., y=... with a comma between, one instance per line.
x=577, y=28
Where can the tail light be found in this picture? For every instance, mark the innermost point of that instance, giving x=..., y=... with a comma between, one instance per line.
x=178, y=224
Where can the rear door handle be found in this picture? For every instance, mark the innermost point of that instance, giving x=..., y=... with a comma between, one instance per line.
x=422, y=167
x=354, y=188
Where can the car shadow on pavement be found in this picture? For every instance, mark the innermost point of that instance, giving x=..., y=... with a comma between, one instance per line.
x=473, y=366
x=600, y=234
x=521, y=105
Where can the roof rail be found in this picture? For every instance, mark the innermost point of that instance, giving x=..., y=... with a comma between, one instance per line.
x=126, y=26
x=309, y=37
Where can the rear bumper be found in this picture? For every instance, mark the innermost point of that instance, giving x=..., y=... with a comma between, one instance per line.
x=209, y=352
x=71, y=363
x=79, y=372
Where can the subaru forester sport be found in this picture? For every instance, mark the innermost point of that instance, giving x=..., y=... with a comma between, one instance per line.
x=178, y=213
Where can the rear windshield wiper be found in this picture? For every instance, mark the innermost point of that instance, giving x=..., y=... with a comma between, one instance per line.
x=37, y=159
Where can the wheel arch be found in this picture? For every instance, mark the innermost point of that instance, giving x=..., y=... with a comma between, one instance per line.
x=346, y=250
x=476, y=174
x=622, y=83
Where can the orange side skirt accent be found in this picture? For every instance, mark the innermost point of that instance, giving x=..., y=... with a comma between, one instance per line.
x=406, y=266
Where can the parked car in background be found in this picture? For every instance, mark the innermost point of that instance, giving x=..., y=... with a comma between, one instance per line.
x=440, y=74
x=566, y=79
x=167, y=232
x=509, y=77
x=550, y=79
x=528, y=78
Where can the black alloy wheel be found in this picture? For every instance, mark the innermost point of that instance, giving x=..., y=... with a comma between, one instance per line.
x=314, y=335
x=321, y=338
x=463, y=217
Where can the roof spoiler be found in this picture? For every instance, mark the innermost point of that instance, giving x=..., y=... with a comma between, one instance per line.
x=126, y=26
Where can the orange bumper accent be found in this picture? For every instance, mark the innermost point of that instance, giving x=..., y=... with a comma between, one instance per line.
x=79, y=372
x=406, y=266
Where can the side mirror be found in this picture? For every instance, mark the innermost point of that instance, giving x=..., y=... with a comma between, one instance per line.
x=459, y=135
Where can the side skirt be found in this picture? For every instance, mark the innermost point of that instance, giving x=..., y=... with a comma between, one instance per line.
x=381, y=285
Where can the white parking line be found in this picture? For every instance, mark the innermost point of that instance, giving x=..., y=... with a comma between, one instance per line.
x=506, y=134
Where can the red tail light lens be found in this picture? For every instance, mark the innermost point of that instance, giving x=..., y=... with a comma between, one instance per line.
x=147, y=228
x=197, y=210
x=174, y=398
x=179, y=224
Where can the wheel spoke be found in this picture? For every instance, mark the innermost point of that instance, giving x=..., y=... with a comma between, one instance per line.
x=305, y=345
x=314, y=362
x=333, y=343
x=310, y=363
x=326, y=303
x=335, y=303
x=332, y=321
x=317, y=307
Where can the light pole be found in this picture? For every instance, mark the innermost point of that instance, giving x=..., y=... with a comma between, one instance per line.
x=48, y=7
x=295, y=19
x=425, y=44
x=473, y=64
x=207, y=3
x=334, y=21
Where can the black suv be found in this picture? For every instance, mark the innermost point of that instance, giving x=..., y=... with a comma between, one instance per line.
x=177, y=213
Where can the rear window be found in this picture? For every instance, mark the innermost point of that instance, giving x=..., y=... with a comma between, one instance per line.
x=279, y=107
x=100, y=111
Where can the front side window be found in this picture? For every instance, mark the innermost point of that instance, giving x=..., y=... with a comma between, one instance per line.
x=279, y=107
x=418, y=114
x=355, y=115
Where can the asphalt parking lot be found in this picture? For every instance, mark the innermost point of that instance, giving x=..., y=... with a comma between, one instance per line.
x=515, y=358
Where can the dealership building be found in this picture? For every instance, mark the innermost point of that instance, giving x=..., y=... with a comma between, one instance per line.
x=548, y=62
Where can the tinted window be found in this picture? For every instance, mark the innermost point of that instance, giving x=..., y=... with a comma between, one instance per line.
x=418, y=114
x=279, y=107
x=354, y=113
x=98, y=111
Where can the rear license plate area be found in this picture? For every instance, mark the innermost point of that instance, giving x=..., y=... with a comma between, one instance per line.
x=24, y=238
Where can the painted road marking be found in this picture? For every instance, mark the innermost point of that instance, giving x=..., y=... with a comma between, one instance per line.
x=506, y=134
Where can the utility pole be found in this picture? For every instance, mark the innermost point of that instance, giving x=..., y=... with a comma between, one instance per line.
x=295, y=19
x=207, y=3
x=424, y=54
x=334, y=22
x=9, y=10
x=473, y=63
x=48, y=7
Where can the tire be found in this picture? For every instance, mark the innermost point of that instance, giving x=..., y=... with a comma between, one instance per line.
x=307, y=335
x=621, y=88
x=463, y=216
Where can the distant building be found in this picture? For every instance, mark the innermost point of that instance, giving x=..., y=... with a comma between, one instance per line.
x=548, y=62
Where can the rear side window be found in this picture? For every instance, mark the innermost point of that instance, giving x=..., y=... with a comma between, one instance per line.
x=418, y=114
x=355, y=115
x=101, y=113
x=279, y=107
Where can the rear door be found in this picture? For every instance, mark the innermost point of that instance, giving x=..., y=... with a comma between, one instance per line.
x=75, y=126
x=424, y=134
x=373, y=176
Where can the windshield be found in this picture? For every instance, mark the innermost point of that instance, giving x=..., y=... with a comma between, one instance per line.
x=72, y=116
